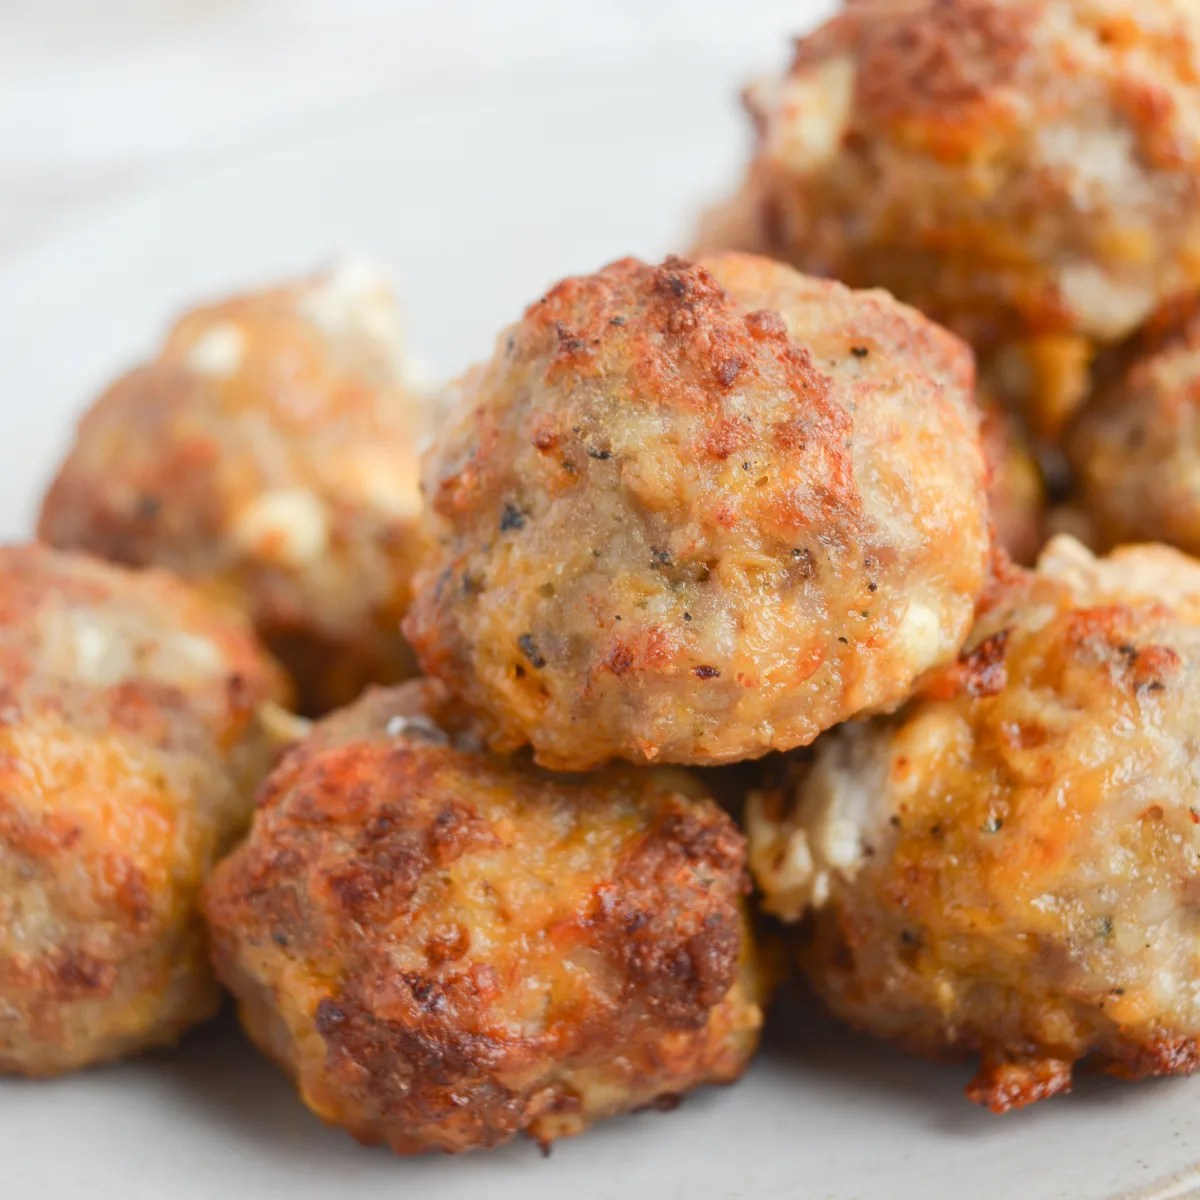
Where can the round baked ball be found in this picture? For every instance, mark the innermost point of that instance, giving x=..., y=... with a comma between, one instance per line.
x=268, y=455
x=1135, y=445
x=1009, y=867
x=694, y=512
x=446, y=949
x=1027, y=172
x=1016, y=490
x=132, y=736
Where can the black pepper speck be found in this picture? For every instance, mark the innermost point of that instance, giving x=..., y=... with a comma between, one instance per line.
x=511, y=518
x=529, y=649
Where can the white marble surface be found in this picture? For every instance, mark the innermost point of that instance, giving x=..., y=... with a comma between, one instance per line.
x=99, y=96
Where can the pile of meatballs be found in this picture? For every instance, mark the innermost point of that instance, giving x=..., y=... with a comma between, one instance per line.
x=475, y=774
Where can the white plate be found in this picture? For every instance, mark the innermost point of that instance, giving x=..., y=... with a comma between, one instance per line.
x=478, y=192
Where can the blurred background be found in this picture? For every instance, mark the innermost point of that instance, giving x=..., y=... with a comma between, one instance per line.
x=97, y=96
x=156, y=153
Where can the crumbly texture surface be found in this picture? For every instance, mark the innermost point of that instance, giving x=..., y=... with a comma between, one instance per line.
x=445, y=949
x=691, y=513
x=130, y=744
x=1008, y=867
x=267, y=455
x=1135, y=445
x=1025, y=171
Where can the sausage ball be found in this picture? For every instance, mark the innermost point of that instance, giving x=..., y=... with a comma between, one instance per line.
x=1025, y=171
x=446, y=949
x=1010, y=866
x=131, y=739
x=1016, y=491
x=1135, y=445
x=268, y=456
x=694, y=512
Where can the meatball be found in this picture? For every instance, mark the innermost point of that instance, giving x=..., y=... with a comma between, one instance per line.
x=131, y=739
x=1016, y=491
x=1135, y=445
x=447, y=949
x=1010, y=866
x=267, y=455
x=694, y=512
x=1025, y=171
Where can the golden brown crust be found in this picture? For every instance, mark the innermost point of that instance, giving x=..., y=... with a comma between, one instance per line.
x=129, y=748
x=1023, y=171
x=679, y=516
x=936, y=62
x=1135, y=445
x=267, y=455
x=446, y=950
x=1008, y=867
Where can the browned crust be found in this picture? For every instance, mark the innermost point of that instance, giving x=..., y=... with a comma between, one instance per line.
x=934, y=61
x=1013, y=1071
x=538, y=458
x=338, y=917
x=168, y=460
x=116, y=796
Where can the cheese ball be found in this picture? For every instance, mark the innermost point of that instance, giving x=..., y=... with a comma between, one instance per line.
x=1009, y=867
x=267, y=455
x=1135, y=445
x=445, y=949
x=133, y=730
x=1027, y=172
x=691, y=513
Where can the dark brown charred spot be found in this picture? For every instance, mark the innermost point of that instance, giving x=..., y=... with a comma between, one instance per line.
x=528, y=647
x=452, y=830
x=729, y=369
x=804, y=563
x=910, y=948
x=978, y=672
x=699, y=841
x=669, y=279
x=619, y=659
x=569, y=343
x=146, y=508
x=329, y=1018
x=429, y=996
x=511, y=518
x=447, y=943
x=1153, y=667
x=705, y=672
x=79, y=975
x=133, y=894
x=383, y=873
